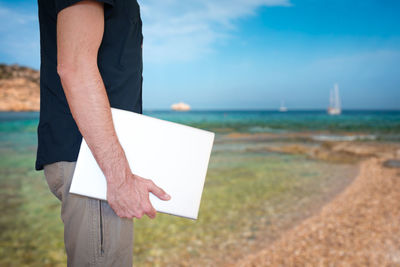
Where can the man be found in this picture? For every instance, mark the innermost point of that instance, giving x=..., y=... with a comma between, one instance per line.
x=91, y=59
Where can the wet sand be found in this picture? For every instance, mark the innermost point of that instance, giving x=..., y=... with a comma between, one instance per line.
x=360, y=227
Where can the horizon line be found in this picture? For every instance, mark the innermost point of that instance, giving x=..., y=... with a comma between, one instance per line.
x=271, y=109
x=234, y=109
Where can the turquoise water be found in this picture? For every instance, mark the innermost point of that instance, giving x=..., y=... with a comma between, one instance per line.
x=259, y=193
x=273, y=121
x=383, y=125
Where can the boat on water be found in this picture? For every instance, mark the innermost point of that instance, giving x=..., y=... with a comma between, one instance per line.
x=282, y=108
x=334, y=101
x=180, y=106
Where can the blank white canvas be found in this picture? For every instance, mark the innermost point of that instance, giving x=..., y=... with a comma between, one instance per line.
x=173, y=155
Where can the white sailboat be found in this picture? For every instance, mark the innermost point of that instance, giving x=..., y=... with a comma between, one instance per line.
x=334, y=101
x=282, y=108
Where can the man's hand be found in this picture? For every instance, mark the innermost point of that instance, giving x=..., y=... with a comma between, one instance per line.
x=130, y=198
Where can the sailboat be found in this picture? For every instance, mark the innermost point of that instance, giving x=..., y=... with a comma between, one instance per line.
x=282, y=108
x=334, y=101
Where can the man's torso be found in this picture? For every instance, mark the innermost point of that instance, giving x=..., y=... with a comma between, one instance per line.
x=120, y=65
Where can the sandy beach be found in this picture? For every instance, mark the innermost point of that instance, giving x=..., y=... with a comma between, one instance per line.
x=360, y=227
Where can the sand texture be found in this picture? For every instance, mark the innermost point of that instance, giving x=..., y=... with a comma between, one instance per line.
x=360, y=227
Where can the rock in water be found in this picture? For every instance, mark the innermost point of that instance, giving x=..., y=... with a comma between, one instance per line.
x=392, y=163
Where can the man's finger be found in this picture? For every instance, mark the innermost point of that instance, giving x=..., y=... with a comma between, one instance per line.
x=149, y=209
x=158, y=192
x=151, y=212
x=138, y=214
x=117, y=209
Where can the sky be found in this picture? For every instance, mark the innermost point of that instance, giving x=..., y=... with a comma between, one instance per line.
x=250, y=54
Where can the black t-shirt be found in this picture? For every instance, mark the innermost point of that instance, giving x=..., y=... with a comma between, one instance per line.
x=120, y=65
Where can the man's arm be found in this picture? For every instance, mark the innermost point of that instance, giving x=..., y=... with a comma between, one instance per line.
x=80, y=29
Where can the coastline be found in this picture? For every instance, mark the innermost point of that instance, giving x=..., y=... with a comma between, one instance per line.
x=272, y=213
x=357, y=228
x=349, y=149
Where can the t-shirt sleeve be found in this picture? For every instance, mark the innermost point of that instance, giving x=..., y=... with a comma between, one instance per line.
x=61, y=4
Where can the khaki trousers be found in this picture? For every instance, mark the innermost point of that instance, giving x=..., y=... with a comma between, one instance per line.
x=93, y=234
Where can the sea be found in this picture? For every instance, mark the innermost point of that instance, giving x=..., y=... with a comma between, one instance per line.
x=380, y=125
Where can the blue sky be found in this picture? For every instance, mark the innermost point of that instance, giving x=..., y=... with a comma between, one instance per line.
x=250, y=54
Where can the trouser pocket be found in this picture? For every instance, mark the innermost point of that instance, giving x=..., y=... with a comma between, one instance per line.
x=54, y=177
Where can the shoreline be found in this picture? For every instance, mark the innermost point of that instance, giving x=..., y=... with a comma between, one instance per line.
x=294, y=218
x=275, y=218
x=355, y=228
x=371, y=157
x=305, y=143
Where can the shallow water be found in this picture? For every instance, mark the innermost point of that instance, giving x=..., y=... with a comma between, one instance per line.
x=249, y=199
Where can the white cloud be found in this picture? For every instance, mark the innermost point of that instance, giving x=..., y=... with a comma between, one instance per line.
x=185, y=30
x=10, y=18
x=173, y=30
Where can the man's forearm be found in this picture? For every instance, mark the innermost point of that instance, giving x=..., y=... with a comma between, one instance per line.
x=89, y=105
x=80, y=29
